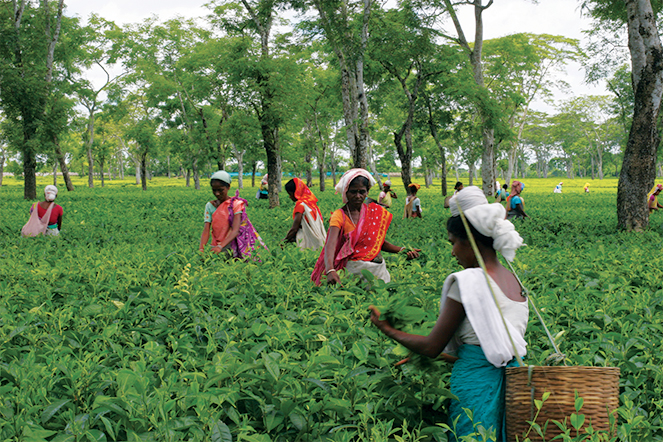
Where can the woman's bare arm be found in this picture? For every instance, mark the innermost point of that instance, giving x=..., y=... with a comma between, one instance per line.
x=432, y=345
x=296, y=224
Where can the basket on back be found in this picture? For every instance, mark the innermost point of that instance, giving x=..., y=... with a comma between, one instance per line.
x=597, y=386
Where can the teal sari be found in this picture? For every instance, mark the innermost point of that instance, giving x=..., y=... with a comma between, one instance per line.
x=480, y=387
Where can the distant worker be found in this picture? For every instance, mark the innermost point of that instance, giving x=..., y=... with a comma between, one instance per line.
x=515, y=204
x=502, y=194
x=652, y=198
x=586, y=187
x=386, y=195
x=232, y=233
x=412, y=202
x=263, y=193
x=558, y=188
x=47, y=220
x=458, y=187
x=357, y=233
x=308, y=229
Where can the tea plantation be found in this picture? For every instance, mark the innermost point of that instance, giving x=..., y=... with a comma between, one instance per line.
x=121, y=330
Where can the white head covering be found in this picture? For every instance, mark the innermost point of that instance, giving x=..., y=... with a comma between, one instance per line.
x=488, y=219
x=222, y=175
x=265, y=178
x=387, y=183
x=344, y=183
x=50, y=192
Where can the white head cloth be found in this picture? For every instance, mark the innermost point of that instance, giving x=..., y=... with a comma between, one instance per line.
x=222, y=175
x=387, y=183
x=50, y=192
x=488, y=219
x=344, y=183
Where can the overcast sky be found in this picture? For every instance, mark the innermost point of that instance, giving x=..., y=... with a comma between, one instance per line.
x=504, y=17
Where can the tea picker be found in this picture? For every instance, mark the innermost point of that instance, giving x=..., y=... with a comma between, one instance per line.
x=543, y=394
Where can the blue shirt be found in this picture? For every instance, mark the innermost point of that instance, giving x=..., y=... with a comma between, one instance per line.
x=515, y=201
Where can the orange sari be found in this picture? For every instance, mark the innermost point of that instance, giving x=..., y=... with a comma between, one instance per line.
x=362, y=244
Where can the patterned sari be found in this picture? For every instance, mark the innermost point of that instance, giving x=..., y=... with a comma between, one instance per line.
x=362, y=244
x=244, y=245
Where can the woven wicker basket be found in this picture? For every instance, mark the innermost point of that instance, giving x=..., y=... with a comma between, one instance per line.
x=598, y=386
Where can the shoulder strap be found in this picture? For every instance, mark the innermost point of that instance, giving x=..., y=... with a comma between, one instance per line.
x=47, y=216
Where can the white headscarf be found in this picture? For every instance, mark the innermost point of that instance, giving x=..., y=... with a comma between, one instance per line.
x=50, y=192
x=222, y=175
x=488, y=219
x=344, y=183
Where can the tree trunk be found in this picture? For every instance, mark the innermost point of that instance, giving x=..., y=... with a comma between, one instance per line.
x=511, y=165
x=254, y=167
x=638, y=172
x=188, y=177
x=351, y=62
x=374, y=169
x=55, y=173
x=405, y=155
x=321, y=152
x=196, y=175
x=90, y=141
x=273, y=166
x=2, y=166
x=143, y=171
x=29, y=172
x=101, y=173
x=309, y=176
x=474, y=53
x=168, y=163
x=137, y=171
x=444, y=175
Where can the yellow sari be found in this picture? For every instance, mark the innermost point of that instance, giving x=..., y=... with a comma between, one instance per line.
x=652, y=199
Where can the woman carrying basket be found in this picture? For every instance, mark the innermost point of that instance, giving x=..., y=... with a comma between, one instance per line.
x=470, y=325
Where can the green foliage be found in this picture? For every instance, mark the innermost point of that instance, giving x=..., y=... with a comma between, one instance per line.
x=120, y=330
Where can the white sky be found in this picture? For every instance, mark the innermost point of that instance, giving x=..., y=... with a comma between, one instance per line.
x=504, y=17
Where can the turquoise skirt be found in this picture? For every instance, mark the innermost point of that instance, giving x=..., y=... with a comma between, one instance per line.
x=480, y=387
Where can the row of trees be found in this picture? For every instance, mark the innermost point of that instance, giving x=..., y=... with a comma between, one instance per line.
x=244, y=86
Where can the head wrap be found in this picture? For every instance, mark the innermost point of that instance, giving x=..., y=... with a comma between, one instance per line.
x=415, y=185
x=516, y=188
x=222, y=175
x=50, y=192
x=488, y=219
x=304, y=195
x=387, y=183
x=346, y=179
x=264, y=179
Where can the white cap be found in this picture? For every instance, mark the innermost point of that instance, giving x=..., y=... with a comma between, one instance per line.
x=222, y=175
x=50, y=192
x=387, y=183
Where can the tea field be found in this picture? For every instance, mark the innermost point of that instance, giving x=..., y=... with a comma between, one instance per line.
x=121, y=330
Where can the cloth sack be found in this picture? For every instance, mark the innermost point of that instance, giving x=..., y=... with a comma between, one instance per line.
x=36, y=226
x=312, y=234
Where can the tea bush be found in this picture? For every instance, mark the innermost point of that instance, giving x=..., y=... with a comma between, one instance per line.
x=120, y=330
